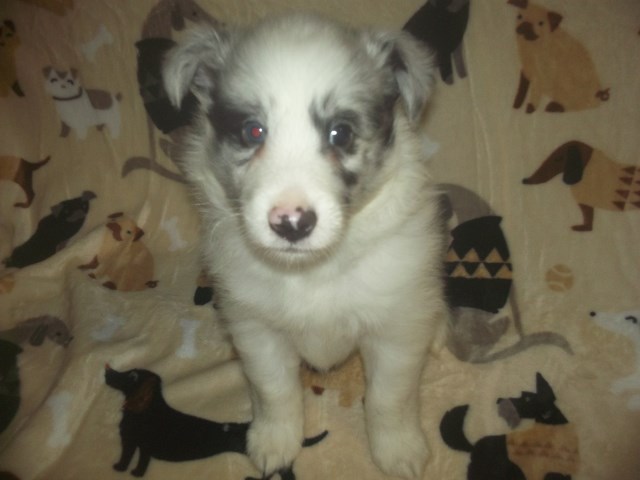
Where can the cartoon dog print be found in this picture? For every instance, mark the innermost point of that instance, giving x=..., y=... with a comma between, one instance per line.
x=554, y=64
x=59, y=7
x=479, y=282
x=151, y=426
x=19, y=171
x=165, y=19
x=9, y=42
x=595, y=180
x=548, y=450
x=123, y=261
x=53, y=232
x=627, y=324
x=81, y=108
x=33, y=332
x=442, y=25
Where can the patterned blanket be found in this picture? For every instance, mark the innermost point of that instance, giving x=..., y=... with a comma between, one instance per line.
x=106, y=316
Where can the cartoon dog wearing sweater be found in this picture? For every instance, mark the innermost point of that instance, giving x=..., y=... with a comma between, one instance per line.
x=81, y=108
x=627, y=324
x=554, y=64
x=595, y=180
x=547, y=450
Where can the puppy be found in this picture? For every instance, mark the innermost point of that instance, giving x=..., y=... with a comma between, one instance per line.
x=318, y=217
x=554, y=64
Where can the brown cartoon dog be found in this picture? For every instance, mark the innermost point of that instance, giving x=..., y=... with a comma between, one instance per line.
x=596, y=181
x=123, y=260
x=59, y=7
x=19, y=171
x=9, y=41
x=554, y=64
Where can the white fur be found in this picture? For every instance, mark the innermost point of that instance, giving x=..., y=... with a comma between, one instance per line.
x=367, y=277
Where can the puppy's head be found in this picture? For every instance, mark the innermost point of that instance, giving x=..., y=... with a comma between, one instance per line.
x=535, y=22
x=299, y=120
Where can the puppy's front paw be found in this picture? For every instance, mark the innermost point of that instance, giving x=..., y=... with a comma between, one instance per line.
x=274, y=445
x=400, y=452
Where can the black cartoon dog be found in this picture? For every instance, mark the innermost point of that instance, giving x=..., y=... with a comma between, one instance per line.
x=53, y=231
x=479, y=282
x=442, y=24
x=157, y=430
x=548, y=449
x=163, y=20
x=33, y=332
x=9, y=382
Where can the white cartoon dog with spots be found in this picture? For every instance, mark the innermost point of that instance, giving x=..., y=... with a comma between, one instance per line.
x=625, y=323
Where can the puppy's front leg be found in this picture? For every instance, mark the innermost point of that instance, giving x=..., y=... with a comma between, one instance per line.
x=272, y=367
x=393, y=372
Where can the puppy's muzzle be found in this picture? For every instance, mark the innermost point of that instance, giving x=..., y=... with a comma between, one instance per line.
x=292, y=224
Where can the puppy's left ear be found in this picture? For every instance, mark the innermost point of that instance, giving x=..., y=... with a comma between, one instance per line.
x=412, y=65
x=193, y=65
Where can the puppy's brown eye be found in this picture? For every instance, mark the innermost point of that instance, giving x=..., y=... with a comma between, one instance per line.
x=341, y=136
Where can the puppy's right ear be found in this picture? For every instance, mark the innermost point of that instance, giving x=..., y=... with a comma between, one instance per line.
x=193, y=65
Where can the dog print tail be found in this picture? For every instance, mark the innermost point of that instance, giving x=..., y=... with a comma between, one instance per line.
x=41, y=163
x=452, y=429
x=309, y=442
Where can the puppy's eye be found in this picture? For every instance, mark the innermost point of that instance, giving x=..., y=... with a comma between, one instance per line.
x=254, y=133
x=341, y=136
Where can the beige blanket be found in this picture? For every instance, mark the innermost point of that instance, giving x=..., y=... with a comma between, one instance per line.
x=540, y=374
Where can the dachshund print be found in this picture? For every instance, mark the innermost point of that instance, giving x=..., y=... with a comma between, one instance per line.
x=59, y=7
x=554, y=64
x=19, y=171
x=157, y=430
x=595, y=180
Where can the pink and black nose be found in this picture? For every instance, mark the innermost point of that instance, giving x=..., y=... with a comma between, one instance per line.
x=292, y=224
